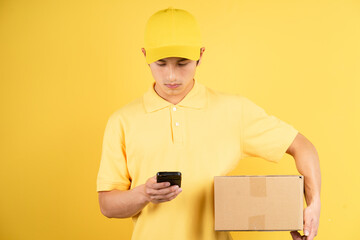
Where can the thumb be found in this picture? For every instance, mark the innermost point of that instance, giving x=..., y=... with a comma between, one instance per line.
x=307, y=227
x=151, y=180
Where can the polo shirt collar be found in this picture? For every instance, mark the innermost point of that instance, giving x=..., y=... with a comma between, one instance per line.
x=196, y=98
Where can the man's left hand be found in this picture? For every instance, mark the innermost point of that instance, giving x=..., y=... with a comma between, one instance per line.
x=311, y=223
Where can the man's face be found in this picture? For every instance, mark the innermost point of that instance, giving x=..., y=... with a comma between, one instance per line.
x=173, y=76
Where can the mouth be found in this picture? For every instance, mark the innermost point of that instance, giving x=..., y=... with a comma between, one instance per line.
x=172, y=86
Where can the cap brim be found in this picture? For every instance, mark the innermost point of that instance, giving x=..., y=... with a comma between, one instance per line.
x=190, y=52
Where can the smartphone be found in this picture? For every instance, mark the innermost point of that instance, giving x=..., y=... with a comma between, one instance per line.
x=173, y=177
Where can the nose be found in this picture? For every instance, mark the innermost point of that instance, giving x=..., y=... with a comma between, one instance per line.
x=172, y=76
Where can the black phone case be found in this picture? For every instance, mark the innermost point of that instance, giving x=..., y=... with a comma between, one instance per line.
x=173, y=177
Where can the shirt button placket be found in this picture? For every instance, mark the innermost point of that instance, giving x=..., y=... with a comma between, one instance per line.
x=176, y=124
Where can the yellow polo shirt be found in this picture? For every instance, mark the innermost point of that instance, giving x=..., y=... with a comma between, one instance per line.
x=203, y=136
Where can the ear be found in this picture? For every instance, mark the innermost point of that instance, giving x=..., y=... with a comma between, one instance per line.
x=201, y=53
x=144, y=51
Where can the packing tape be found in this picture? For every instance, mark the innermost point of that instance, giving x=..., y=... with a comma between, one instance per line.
x=257, y=186
x=256, y=222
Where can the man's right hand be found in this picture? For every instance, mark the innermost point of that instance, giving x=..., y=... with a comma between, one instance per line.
x=128, y=203
x=160, y=192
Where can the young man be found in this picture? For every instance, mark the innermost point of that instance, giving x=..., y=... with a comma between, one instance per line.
x=181, y=125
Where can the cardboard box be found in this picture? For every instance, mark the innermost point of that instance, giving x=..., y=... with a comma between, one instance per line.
x=259, y=203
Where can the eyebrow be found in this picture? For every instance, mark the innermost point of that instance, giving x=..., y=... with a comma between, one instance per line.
x=182, y=59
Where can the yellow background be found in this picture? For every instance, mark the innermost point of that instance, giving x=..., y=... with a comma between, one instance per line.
x=65, y=66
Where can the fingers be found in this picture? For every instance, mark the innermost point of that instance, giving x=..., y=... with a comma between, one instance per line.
x=307, y=227
x=166, y=197
x=313, y=231
x=310, y=237
x=158, y=186
x=310, y=225
x=157, y=198
x=151, y=183
x=296, y=236
x=160, y=192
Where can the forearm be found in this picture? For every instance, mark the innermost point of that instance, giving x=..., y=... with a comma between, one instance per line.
x=307, y=163
x=122, y=204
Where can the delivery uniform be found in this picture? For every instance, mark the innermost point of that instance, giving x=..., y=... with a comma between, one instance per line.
x=204, y=135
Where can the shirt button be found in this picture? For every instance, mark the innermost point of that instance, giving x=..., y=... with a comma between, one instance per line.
x=174, y=108
x=177, y=124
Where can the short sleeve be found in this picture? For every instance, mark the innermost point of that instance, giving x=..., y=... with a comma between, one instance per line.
x=264, y=135
x=113, y=172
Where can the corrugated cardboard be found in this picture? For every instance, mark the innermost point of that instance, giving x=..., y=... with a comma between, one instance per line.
x=259, y=203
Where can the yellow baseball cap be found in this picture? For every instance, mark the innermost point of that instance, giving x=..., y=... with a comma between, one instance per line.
x=172, y=33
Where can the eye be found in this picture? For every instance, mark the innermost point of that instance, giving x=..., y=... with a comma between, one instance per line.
x=180, y=64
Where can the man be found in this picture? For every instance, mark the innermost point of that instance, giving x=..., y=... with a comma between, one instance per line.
x=181, y=125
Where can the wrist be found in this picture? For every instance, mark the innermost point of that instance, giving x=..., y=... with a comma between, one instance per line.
x=314, y=200
x=142, y=196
